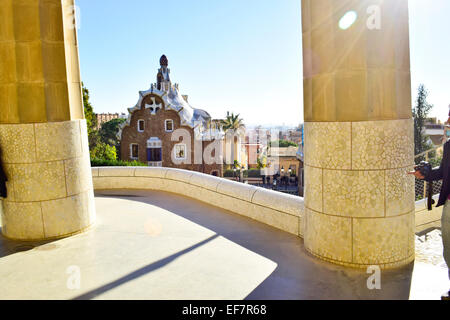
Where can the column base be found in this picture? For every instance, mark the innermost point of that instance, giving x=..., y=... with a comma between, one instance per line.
x=87, y=229
x=50, y=191
x=359, y=199
x=383, y=266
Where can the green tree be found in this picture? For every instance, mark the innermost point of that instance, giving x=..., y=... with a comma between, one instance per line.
x=284, y=144
x=98, y=149
x=420, y=113
x=103, y=151
x=261, y=162
x=89, y=114
x=108, y=131
x=231, y=122
x=91, y=119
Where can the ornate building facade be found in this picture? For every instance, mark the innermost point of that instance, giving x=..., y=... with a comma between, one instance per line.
x=164, y=130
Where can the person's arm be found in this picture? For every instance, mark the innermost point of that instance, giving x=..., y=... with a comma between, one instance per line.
x=436, y=174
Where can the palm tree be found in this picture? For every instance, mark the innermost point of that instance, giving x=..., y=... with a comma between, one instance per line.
x=233, y=127
x=231, y=122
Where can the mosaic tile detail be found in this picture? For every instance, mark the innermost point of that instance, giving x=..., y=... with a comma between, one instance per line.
x=65, y=216
x=22, y=220
x=328, y=236
x=328, y=144
x=353, y=193
x=58, y=140
x=39, y=181
x=61, y=168
x=399, y=192
x=313, y=188
x=84, y=137
x=380, y=241
x=78, y=175
x=17, y=143
x=10, y=183
x=382, y=144
x=411, y=240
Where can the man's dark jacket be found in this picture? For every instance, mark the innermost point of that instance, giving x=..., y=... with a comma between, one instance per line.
x=442, y=173
x=3, y=180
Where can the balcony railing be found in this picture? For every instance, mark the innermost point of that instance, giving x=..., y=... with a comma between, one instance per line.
x=434, y=156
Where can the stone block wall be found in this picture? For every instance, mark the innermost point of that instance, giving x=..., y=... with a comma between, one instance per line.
x=50, y=191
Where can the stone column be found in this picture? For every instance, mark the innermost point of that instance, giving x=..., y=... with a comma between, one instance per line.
x=43, y=133
x=358, y=132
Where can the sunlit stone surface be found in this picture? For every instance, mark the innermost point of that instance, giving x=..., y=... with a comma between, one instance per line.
x=158, y=245
x=43, y=134
x=359, y=202
x=274, y=208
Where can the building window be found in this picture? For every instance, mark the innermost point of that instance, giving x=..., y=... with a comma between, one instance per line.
x=141, y=125
x=180, y=151
x=134, y=151
x=169, y=125
x=154, y=154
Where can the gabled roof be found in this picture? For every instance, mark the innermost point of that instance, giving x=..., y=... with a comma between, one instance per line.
x=173, y=100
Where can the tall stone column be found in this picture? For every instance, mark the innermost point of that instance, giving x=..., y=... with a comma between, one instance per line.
x=358, y=132
x=43, y=134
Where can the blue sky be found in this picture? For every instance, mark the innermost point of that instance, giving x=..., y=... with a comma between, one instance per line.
x=238, y=55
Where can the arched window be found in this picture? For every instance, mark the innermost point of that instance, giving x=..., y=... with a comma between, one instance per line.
x=168, y=125
x=180, y=151
x=134, y=151
x=141, y=125
x=154, y=152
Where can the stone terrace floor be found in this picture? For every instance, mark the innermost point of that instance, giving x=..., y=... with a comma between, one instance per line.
x=156, y=245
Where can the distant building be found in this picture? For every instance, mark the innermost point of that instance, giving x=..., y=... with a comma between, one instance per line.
x=105, y=117
x=255, y=145
x=447, y=126
x=282, y=159
x=148, y=134
x=292, y=135
x=436, y=131
x=233, y=145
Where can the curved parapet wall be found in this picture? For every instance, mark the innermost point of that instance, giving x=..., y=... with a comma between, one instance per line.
x=283, y=211
x=276, y=209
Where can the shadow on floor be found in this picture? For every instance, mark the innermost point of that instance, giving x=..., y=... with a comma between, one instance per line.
x=140, y=272
x=298, y=275
x=8, y=247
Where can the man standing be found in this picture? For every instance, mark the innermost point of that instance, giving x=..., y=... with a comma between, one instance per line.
x=443, y=172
